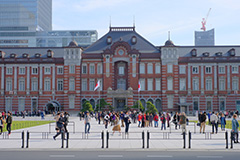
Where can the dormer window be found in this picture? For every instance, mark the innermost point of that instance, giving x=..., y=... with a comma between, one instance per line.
x=232, y=52
x=49, y=53
x=37, y=55
x=194, y=53
x=25, y=55
x=218, y=54
x=134, y=40
x=109, y=40
x=13, y=55
x=205, y=54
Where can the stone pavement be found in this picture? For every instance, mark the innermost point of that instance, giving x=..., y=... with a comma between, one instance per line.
x=159, y=139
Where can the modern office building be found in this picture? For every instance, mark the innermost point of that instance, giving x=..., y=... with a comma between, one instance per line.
x=204, y=38
x=173, y=78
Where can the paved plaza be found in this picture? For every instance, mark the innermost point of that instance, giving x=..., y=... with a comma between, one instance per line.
x=42, y=137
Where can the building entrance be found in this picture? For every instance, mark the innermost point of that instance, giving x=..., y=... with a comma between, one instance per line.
x=120, y=104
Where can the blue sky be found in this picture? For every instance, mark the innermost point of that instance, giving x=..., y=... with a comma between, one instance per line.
x=153, y=18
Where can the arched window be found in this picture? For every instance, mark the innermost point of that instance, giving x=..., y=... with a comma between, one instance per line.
x=158, y=104
x=150, y=100
x=143, y=103
x=83, y=100
x=92, y=102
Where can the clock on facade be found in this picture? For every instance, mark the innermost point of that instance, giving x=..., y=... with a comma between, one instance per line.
x=121, y=52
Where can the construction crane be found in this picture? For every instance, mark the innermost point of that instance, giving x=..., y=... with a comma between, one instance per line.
x=204, y=21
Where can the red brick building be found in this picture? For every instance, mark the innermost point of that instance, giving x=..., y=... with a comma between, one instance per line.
x=185, y=78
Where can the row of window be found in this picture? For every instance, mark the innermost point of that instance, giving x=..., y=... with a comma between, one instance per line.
x=91, y=86
x=150, y=84
x=91, y=68
x=150, y=68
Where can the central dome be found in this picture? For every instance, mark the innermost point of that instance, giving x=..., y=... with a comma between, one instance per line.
x=73, y=44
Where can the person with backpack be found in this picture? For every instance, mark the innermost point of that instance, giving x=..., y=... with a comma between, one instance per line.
x=155, y=118
x=182, y=122
x=59, y=125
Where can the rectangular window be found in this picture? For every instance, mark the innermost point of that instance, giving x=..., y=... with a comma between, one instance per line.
x=84, y=84
x=60, y=70
x=84, y=69
x=71, y=84
x=158, y=84
x=47, y=85
x=182, y=85
x=234, y=84
x=195, y=104
x=222, y=84
x=208, y=84
x=195, y=70
x=9, y=71
x=121, y=70
x=150, y=84
x=170, y=84
x=142, y=68
x=21, y=85
x=34, y=70
x=91, y=84
x=221, y=70
x=208, y=104
x=71, y=102
x=182, y=69
x=222, y=104
x=8, y=85
x=208, y=70
x=21, y=104
x=99, y=68
x=8, y=102
x=150, y=68
x=22, y=70
x=170, y=101
x=169, y=68
x=72, y=69
x=142, y=83
x=234, y=69
x=92, y=69
x=60, y=84
x=34, y=84
x=195, y=84
x=157, y=68
x=47, y=70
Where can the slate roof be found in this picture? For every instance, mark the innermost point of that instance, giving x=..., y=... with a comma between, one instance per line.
x=125, y=34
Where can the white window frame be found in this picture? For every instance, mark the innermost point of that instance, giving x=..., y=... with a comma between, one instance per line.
x=84, y=85
x=182, y=69
x=9, y=84
x=150, y=68
x=150, y=84
x=170, y=83
x=71, y=102
x=208, y=84
x=21, y=86
x=71, y=84
x=208, y=69
x=22, y=70
x=91, y=84
x=35, y=70
x=99, y=68
x=235, y=80
x=170, y=68
x=92, y=69
x=222, y=84
x=182, y=84
x=47, y=84
x=9, y=70
x=157, y=68
x=195, y=70
x=142, y=68
x=195, y=87
x=121, y=70
x=158, y=84
x=142, y=83
x=221, y=69
x=34, y=85
x=47, y=70
x=234, y=69
x=84, y=65
x=21, y=103
x=222, y=99
x=60, y=70
x=72, y=69
x=60, y=84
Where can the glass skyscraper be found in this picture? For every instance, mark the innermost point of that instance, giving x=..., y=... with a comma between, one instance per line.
x=25, y=15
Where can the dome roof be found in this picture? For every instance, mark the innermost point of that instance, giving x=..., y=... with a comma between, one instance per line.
x=73, y=44
x=169, y=43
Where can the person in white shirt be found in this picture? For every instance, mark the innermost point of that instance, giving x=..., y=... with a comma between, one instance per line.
x=214, y=122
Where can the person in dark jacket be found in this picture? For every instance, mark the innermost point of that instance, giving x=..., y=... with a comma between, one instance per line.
x=175, y=120
x=9, y=122
x=202, y=121
x=223, y=122
x=127, y=122
x=163, y=120
x=65, y=120
x=60, y=125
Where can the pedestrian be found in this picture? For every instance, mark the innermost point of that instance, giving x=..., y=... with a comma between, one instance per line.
x=175, y=121
x=9, y=122
x=223, y=122
x=147, y=120
x=209, y=117
x=182, y=122
x=106, y=119
x=150, y=120
x=59, y=125
x=87, y=120
x=66, y=121
x=214, y=120
x=178, y=120
x=116, y=125
x=235, y=126
x=122, y=119
x=163, y=120
x=202, y=121
x=1, y=124
x=168, y=120
x=139, y=119
x=143, y=120
x=156, y=119
x=127, y=122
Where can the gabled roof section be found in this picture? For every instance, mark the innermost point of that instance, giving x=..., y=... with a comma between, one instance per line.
x=122, y=34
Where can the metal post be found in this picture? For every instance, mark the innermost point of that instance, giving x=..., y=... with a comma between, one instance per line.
x=27, y=145
x=49, y=129
x=67, y=139
x=102, y=139
x=148, y=137
x=231, y=140
x=143, y=139
x=74, y=128
x=226, y=137
x=184, y=140
x=190, y=137
x=62, y=140
x=107, y=138
x=22, y=139
x=194, y=127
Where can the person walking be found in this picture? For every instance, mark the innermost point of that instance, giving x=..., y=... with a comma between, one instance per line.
x=87, y=120
x=150, y=120
x=202, y=121
x=168, y=120
x=147, y=120
x=116, y=125
x=209, y=117
x=106, y=119
x=156, y=119
x=214, y=120
x=139, y=118
x=59, y=125
x=127, y=122
x=143, y=120
x=235, y=126
x=1, y=124
x=182, y=122
x=223, y=122
x=9, y=122
x=66, y=121
x=175, y=122
x=163, y=120
x=122, y=119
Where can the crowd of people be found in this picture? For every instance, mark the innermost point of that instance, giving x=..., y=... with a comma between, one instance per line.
x=5, y=119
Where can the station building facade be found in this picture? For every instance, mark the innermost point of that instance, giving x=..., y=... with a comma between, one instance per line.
x=173, y=78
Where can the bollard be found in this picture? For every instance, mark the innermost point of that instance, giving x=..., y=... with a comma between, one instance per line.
x=194, y=127
x=102, y=139
x=190, y=137
x=143, y=139
x=231, y=140
x=226, y=137
x=62, y=135
x=148, y=137
x=27, y=145
x=67, y=139
x=22, y=139
x=184, y=140
x=107, y=138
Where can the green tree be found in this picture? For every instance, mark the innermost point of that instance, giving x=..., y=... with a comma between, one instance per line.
x=151, y=108
x=102, y=105
x=87, y=107
x=138, y=105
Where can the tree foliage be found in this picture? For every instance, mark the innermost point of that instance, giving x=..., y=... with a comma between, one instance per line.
x=87, y=107
x=102, y=105
x=151, y=108
x=138, y=105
